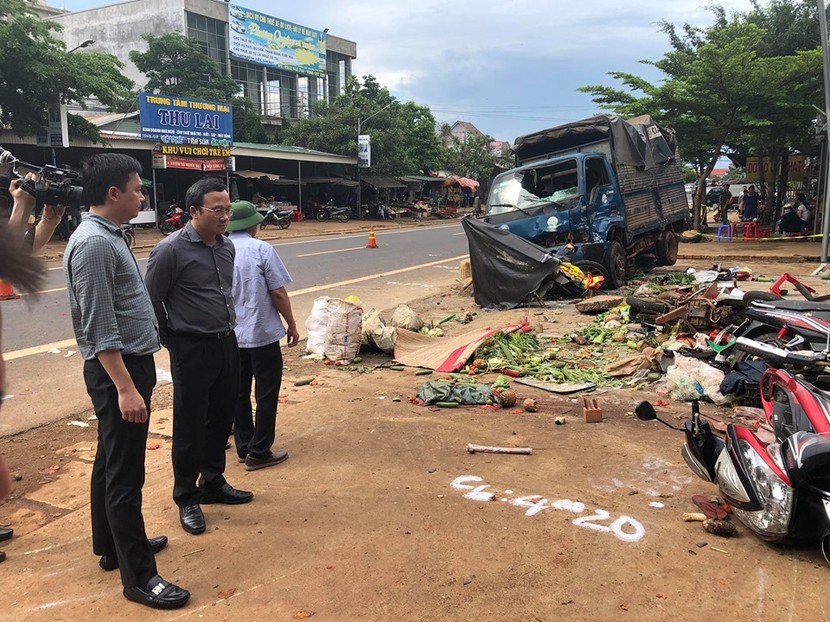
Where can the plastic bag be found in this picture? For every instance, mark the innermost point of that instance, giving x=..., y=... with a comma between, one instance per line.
x=343, y=330
x=375, y=333
x=690, y=379
x=404, y=317
x=316, y=325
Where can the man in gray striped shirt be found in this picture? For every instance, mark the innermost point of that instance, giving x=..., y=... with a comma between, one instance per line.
x=117, y=335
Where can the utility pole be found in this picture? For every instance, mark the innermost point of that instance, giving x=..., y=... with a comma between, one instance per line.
x=825, y=57
x=359, y=121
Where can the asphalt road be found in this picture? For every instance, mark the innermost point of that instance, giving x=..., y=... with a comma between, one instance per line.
x=315, y=264
x=45, y=371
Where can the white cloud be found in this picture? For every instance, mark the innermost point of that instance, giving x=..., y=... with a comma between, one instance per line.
x=509, y=66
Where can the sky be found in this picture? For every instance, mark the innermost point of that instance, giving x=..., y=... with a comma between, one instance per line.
x=508, y=66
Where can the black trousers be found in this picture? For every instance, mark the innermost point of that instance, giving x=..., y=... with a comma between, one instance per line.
x=205, y=387
x=265, y=365
x=118, y=472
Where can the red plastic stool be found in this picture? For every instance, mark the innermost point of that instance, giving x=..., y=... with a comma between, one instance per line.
x=297, y=216
x=750, y=230
x=764, y=232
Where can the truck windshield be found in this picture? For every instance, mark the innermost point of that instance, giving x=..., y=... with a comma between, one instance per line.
x=554, y=186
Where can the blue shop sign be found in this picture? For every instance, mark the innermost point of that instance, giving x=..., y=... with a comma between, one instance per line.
x=186, y=122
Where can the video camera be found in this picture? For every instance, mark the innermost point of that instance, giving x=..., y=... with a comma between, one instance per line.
x=53, y=186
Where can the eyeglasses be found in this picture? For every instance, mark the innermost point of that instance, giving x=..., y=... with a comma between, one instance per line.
x=219, y=211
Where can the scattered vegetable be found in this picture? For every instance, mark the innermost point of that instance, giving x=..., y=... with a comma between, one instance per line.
x=302, y=382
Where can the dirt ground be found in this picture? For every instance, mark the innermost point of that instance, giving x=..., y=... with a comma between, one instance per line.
x=381, y=514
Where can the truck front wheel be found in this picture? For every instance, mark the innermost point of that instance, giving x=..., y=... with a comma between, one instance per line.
x=667, y=248
x=615, y=265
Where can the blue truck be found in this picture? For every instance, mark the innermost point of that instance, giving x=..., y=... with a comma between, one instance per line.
x=605, y=194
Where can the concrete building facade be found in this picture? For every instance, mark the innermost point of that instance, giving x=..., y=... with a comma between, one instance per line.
x=118, y=28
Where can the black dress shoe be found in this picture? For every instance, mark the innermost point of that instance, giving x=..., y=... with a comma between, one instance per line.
x=6, y=533
x=158, y=594
x=110, y=562
x=226, y=494
x=192, y=519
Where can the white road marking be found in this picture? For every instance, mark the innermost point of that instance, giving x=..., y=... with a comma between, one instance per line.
x=17, y=354
x=163, y=376
x=10, y=356
x=339, y=250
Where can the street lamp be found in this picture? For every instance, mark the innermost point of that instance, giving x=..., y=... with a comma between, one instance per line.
x=359, y=121
x=83, y=44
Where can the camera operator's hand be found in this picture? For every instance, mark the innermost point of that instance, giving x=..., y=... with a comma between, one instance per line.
x=24, y=203
x=49, y=221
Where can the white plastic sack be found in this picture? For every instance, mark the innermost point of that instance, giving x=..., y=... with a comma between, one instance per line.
x=689, y=379
x=406, y=318
x=375, y=333
x=371, y=322
x=316, y=325
x=343, y=330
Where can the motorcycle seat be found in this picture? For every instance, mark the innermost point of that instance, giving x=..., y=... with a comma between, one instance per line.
x=794, y=305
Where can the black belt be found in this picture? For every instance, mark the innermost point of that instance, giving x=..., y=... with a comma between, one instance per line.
x=211, y=336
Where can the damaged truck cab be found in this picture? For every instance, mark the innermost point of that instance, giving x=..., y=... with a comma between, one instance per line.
x=600, y=192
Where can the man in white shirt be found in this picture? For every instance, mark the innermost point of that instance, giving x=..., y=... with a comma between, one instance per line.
x=261, y=303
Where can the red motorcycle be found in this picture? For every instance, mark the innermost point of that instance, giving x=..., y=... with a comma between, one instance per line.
x=173, y=219
x=780, y=490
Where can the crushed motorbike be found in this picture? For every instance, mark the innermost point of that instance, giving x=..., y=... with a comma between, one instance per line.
x=278, y=217
x=779, y=490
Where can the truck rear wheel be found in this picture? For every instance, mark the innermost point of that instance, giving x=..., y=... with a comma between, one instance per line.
x=667, y=248
x=615, y=265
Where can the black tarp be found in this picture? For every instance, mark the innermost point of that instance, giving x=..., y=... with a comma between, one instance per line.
x=636, y=142
x=506, y=268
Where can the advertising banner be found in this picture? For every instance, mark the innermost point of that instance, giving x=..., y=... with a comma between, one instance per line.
x=187, y=127
x=364, y=151
x=266, y=40
x=755, y=165
x=193, y=164
x=56, y=134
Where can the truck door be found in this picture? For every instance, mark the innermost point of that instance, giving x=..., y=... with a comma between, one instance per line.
x=603, y=205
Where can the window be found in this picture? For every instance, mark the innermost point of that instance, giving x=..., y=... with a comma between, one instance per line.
x=209, y=33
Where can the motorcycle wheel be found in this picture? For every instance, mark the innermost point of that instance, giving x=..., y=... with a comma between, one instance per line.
x=321, y=215
x=262, y=225
x=343, y=217
x=825, y=547
x=166, y=228
x=284, y=224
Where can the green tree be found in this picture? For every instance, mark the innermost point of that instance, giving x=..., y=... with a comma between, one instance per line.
x=717, y=90
x=36, y=71
x=399, y=144
x=474, y=159
x=175, y=65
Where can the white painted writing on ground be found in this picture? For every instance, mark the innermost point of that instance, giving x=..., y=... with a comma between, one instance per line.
x=163, y=376
x=624, y=528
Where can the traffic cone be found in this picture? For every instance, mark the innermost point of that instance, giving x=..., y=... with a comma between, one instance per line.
x=372, y=243
x=7, y=291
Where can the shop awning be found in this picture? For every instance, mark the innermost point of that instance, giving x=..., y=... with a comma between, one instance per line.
x=464, y=182
x=382, y=181
x=257, y=175
x=334, y=181
x=420, y=178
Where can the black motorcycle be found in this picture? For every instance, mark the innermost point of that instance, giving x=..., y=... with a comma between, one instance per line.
x=278, y=217
x=330, y=211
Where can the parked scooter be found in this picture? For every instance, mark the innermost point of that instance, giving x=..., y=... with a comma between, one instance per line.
x=276, y=216
x=779, y=490
x=330, y=211
x=173, y=219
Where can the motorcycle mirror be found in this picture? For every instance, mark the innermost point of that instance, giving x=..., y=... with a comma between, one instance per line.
x=645, y=411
